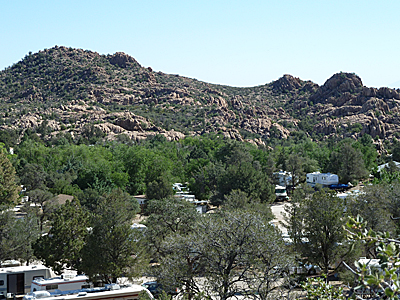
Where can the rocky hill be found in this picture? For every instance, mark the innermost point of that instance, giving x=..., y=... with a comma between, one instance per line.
x=70, y=90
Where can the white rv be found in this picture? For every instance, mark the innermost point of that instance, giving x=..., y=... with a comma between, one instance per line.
x=283, y=178
x=281, y=193
x=324, y=179
x=17, y=280
x=62, y=283
x=110, y=291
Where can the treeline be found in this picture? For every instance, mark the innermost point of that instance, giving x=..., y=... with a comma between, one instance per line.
x=212, y=165
x=92, y=234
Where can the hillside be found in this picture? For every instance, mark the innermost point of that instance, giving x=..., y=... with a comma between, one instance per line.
x=68, y=90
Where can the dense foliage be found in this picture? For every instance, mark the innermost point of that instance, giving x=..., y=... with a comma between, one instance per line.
x=213, y=166
x=237, y=177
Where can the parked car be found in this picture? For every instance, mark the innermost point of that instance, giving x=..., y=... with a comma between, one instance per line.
x=156, y=288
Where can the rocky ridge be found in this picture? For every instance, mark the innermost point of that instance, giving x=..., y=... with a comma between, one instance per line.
x=72, y=88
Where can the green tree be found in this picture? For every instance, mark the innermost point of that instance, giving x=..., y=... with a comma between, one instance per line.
x=168, y=216
x=282, y=159
x=320, y=289
x=33, y=176
x=234, y=251
x=7, y=222
x=348, y=163
x=394, y=203
x=238, y=200
x=375, y=205
x=243, y=173
x=180, y=265
x=61, y=247
x=17, y=236
x=205, y=182
x=319, y=221
x=8, y=188
x=40, y=197
x=240, y=247
x=110, y=248
x=160, y=188
x=293, y=218
x=396, y=151
x=294, y=165
x=25, y=233
x=368, y=150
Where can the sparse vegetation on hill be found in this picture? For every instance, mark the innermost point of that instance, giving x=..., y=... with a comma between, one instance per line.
x=65, y=90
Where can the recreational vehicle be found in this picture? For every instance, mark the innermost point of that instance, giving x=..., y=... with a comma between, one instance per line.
x=62, y=283
x=17, y=280
x=281, y=193
x=324, y=179
x=283, y=178
x=110, y=291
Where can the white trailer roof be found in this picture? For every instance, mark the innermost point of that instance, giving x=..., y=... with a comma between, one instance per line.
x=23, y=269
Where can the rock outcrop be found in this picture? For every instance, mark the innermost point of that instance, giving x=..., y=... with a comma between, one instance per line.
x=123, y=60
x=66, y=89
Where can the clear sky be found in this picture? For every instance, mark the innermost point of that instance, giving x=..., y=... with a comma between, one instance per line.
x=237, y=43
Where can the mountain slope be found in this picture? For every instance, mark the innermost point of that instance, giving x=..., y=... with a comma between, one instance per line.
x=66, y=90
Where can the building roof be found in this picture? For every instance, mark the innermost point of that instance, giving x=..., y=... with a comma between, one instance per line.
x=62, y=198
x=380, y=167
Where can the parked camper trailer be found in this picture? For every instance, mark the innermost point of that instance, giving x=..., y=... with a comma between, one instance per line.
x=283, y=178
x=62, y=283
x=324, y=179
x=110, y=291
x=17, y=280
x=281, y=193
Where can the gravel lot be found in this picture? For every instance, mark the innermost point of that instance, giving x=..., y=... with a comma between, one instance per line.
x=277, y=209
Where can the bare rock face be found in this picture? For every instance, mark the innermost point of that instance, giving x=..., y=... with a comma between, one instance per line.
x=28, y=121
x=375, y=128
x=109, y=128
x=299, y=104
x=343, y=82
x=369, y=92
x=256, y=142
x=265, y=127
x=344, y=107
x=219, y=101
x=131, y=122
x=98, y=92
x=173, y=135
x=286, y=83
x=326, y=127
x=237, y=103
x=123, y=60
x=337, y=85
x=388, y=93
x=375, y=104
x=339, y=101
x=53, y=125
x=310, y=87
x=232, y=133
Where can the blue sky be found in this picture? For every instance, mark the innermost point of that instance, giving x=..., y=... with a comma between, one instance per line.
x=237, y=43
